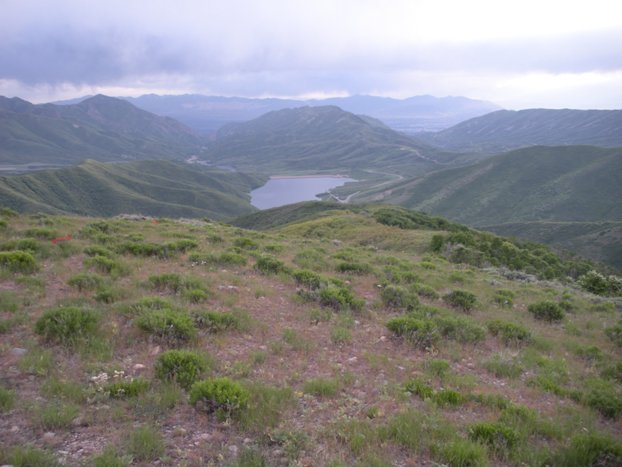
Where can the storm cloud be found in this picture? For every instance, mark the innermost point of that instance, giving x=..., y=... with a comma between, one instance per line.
x=291, y=48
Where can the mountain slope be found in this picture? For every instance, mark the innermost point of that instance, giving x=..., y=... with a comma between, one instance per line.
x=508, y=129
x=318, y=139
x=520, y=192
x=574, y=183
x=157, y=188
x=102, y=128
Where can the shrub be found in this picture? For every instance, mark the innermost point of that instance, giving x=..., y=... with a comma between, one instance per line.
x=426, y=291
x=503, y=367
x=181, y=366
x=86, y=281
x=309, y=279
x=145, y=444
x=461, y=299
x=220, y=395
x=546, y=311
x=173, y=327
x=18, y=261
x=7, y=399
x=27, y=456
x=245, y=243
x=504, y=298
x=350, y=267
x=196, y=295
x=598, y=284
x=340, y=335
x=322, y=387
x=175, y=283
x=589, y=449
x=448, y=397
x=459, y=329
x=128, y=388
x=605, y=399
x=339, y=298
x=227, y=258
x=422, y=333
x=109, y=458
x=461, y=453
x=615, y=333
x=499, y=437
x=214, y=321
x=270, y=265
x=97, y=250
x=44, y=233
x=437, y=367
x=105, y=264
x=67, y=325
x=395, y=296
x=613, y=372
x=420, y=388
x=509, y=333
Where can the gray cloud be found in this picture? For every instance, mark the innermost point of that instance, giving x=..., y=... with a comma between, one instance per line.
x=272, y=47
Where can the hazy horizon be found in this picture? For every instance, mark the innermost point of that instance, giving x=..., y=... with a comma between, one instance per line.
x=518, y=55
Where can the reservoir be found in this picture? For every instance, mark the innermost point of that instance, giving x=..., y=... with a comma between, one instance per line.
x=280, y=191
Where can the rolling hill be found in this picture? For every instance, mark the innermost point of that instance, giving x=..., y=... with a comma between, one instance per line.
x=155, y=188
x=206, y=114
x=101, y=128
x=507, y=129
x=319, y=139
x=533, y=187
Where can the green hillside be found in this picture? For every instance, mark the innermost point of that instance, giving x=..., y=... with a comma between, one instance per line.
x=156, y=188
x=575, y=183
x=363, y=337
x=601, y=241
x=319, y=139
x=521, y=192
x=101, y=128
x=509, y=129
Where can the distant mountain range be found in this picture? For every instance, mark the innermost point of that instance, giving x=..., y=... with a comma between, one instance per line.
x=507, y=129
x=157, y=188
x=102, y=128
x=320, y=139
x=206, y=114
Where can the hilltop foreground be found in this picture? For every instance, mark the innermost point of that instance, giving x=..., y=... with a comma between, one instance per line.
x=340, y=335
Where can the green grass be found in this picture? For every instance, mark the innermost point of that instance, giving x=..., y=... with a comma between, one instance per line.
x=145, y=444
x=322, y=387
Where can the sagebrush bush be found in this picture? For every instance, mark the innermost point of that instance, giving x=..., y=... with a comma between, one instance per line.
x=422, y=333
x=181, y=366
x=220, y=395
x=128, y=388
x=396, y=296
x=175, y=283
x=500, y=437
x=504, y=298
x=419, y=388
x=615, y=333
x=270, y=265
x=461, y=299
x=339, y=298
x=44, y=233
x=309, y=279
x=18, y=261
x=171, y=326
x=98, y=250
x=351, y=267
x=86, y=281
x=546, y=311
x=67, y=325
x=589, y=449
x=604, y=398
x=215, y=321
x=510, y=333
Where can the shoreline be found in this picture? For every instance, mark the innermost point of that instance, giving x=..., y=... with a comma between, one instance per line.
x=286, y=177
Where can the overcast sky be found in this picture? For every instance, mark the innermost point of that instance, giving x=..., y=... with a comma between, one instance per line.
x=519, y=54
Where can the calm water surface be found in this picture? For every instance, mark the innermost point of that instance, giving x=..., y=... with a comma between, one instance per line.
x=282, y=191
